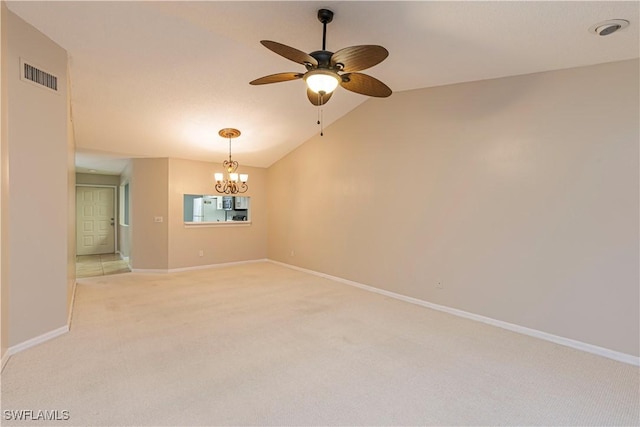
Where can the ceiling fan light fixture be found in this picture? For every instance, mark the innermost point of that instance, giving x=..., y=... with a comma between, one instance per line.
x=321, y=80
x=324, y=69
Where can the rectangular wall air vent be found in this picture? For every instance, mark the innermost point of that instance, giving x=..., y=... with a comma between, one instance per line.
x=34, y=74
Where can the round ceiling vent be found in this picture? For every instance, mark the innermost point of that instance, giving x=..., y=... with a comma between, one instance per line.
x=608, y=27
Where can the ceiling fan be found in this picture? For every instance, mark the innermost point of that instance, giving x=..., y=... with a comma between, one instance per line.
x=326, y=70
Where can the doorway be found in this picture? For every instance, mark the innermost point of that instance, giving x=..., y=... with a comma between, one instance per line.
x=95, y=220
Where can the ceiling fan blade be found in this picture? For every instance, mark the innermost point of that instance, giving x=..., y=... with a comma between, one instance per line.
x=357, y=58
x=276, y=78
x=365, y=85
x=290, y=53
x=317, y=99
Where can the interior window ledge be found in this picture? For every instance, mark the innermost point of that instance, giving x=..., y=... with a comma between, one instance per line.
x=217, y=224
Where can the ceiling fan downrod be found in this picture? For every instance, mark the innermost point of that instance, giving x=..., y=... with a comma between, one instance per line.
x=325, y=16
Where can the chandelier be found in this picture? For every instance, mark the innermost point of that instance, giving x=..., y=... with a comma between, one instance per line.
x=234, y=183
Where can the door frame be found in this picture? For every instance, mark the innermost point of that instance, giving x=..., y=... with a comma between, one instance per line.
x=116, y=220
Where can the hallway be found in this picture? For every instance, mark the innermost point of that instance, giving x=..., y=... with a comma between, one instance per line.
x=100, y=265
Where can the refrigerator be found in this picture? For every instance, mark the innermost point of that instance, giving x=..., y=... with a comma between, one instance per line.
x=210, y=208
x=198, y=213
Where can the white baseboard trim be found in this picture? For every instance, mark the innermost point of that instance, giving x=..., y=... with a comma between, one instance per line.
x=196, y=267
x=73, y=302
x=5, y=359
x=33, y=342
x=578, y=345
x=149, y=271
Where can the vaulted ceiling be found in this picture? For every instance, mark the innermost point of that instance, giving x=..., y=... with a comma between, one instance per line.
x=159, y=79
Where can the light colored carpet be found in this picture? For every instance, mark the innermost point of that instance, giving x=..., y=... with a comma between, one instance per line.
x=260, y=344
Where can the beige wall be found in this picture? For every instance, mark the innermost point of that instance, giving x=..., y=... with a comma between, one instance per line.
x=4, y=186
x=220, y=244
x=97, y=179
x=39, y=178
x=157, y=187
x=71, y=202
x=149, y=199
x=519, y=194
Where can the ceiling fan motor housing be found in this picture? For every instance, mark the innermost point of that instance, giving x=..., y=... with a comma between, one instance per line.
x=323, y=57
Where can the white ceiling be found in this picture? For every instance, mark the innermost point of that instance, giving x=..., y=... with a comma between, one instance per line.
x=159, y=79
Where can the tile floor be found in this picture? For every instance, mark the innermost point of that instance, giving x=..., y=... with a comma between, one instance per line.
x=100, y=265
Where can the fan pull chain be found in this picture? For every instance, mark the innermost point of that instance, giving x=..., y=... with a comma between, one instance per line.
x=320, y=113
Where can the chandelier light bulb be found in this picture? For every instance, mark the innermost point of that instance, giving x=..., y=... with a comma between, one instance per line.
x=322, y=81
x=218, y=176
x=244, y=177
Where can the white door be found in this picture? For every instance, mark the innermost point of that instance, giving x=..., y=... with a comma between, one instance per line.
x=95, y=225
